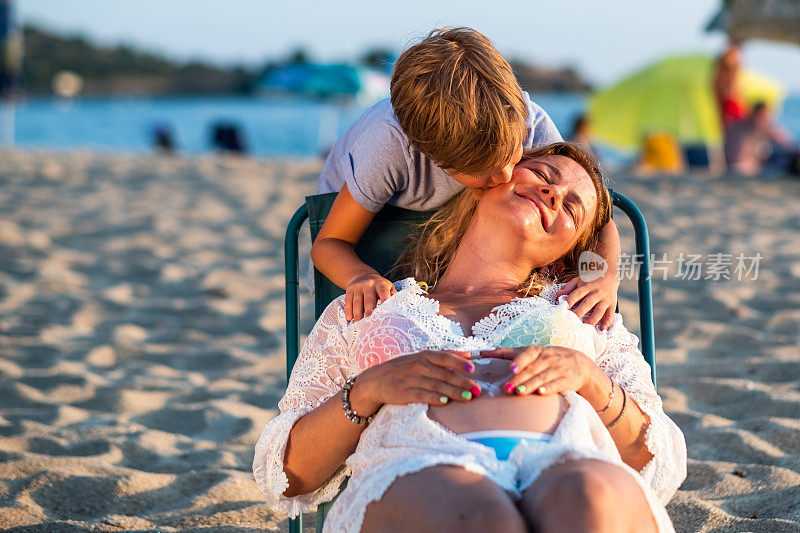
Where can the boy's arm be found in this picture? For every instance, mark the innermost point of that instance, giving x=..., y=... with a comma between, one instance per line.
x=333, y=253
x=600, y=295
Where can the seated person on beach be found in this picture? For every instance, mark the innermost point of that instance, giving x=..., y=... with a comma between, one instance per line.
x=482, y=403
x=747, y=142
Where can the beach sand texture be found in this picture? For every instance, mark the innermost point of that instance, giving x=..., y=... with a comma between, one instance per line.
x=142, y=341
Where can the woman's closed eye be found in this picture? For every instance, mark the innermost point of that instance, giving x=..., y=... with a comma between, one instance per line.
x=544, y=177
x=572, y=212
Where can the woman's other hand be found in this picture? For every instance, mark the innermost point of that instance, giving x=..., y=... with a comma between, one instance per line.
x=432, y=376
x=595, y=302
x=544, y=370
x=363, y=293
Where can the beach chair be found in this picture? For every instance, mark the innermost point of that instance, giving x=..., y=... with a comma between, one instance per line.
x=380, y=246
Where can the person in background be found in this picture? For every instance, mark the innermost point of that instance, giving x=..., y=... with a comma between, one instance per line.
x=748, y=143
x=227, y=137
x=582, y=134
x=163, y=140
x=729, y=98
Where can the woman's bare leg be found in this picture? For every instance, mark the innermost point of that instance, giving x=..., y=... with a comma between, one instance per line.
x=443, y=498
x=586, y=495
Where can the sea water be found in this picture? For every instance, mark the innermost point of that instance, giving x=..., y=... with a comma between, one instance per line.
x=270, y=127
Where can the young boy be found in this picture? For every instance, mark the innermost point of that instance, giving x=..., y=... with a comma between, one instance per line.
x=457, y=118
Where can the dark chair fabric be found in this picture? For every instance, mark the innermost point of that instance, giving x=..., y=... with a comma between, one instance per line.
x=382, y=243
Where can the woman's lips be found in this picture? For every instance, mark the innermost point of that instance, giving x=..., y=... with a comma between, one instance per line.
x=538, y=205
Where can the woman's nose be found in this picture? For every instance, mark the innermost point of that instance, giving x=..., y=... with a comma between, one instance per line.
x=553, y=195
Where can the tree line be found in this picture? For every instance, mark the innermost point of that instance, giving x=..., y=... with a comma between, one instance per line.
x=124, y=70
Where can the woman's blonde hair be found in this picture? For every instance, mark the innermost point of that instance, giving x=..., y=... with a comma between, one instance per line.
x=433, y=247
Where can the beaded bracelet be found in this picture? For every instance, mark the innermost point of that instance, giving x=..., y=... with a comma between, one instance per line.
x=622, y=411
x=348, y=409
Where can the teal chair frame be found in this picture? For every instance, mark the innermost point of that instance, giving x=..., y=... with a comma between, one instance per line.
x=390, y=225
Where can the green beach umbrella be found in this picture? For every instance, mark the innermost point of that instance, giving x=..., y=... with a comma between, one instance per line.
x=672, y=96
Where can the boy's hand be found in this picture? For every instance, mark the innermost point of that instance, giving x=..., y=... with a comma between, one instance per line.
x=362, y=295
x=594, y=301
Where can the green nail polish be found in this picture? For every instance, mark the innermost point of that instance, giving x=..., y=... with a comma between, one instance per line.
x=467, y=395
x=443, y=399
x=521, y=388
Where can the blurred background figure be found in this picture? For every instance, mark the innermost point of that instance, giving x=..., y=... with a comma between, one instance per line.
x=750, y=138
x=582, y=134
x=163, y=140
x=660, y=154
x=227, y=137
x=727, y=93
x=752, y=142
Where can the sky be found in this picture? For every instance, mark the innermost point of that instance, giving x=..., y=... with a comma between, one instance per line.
x=603, y=39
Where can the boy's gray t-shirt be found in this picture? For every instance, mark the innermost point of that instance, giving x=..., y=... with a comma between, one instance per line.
x=380, y=164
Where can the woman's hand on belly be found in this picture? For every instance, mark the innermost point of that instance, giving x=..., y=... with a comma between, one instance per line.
x=544, y=370
x=432, y=376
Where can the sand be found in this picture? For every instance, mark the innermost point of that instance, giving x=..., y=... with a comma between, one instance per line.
x=142, y=341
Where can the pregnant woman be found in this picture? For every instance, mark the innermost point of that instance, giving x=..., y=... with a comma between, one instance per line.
x=480, y=403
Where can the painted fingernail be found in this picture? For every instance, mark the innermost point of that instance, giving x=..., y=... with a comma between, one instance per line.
x=476, y=391
x=469, y=367
x=467, y=395
x=542, y=390
x=509, y=387
x=443, y=399
x=515, y=368
x=521, y=388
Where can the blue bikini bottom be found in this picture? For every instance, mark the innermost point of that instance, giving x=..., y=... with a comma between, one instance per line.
x=504, y=440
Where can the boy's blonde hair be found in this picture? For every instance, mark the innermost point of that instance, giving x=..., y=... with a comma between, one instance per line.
x=458, y=101
x=434, y=246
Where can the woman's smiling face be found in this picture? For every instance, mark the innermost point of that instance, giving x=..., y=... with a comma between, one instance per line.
x=549, y=203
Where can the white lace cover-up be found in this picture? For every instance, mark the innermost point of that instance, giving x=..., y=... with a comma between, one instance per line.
x=402, y=439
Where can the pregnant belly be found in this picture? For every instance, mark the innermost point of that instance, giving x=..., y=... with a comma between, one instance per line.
x=499, y=410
